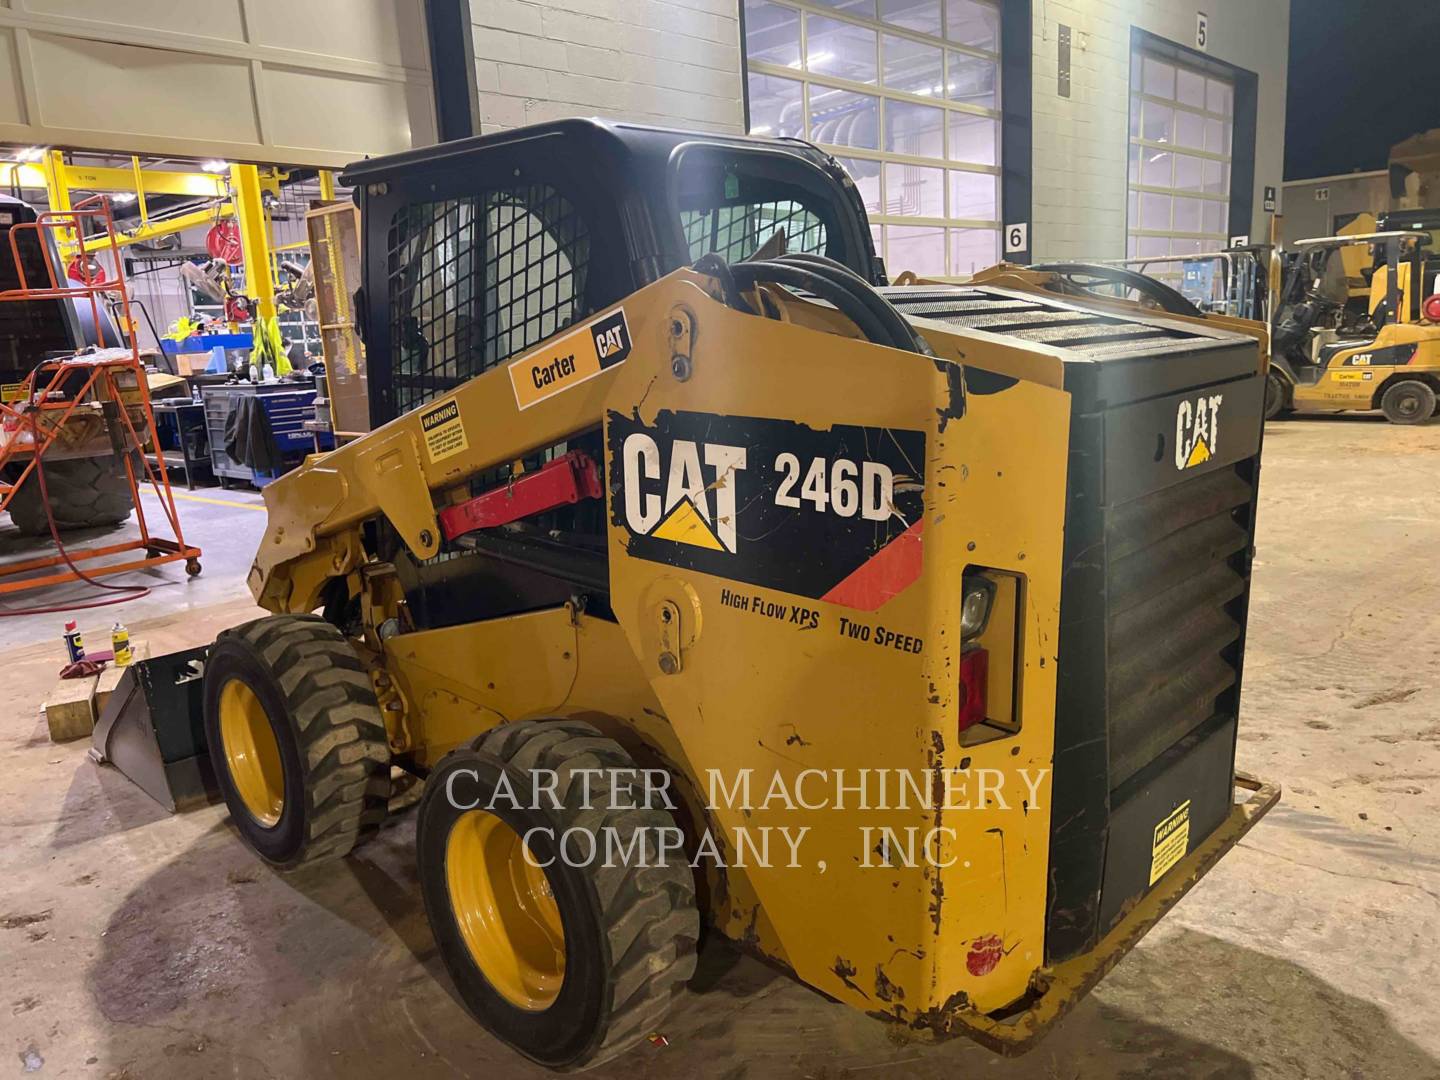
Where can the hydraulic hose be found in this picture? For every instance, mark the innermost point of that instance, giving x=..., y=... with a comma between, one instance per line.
x=747, y=274
x=902, y=333
x=715, y=265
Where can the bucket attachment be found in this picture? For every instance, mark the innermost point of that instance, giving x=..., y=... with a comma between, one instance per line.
x=153, y=731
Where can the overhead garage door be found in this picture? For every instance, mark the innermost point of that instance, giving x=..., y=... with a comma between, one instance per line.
x=1181, y=128
x=906, y=93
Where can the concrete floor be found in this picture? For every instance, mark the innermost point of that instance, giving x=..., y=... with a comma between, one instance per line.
x=225, y=525
x=134, y=944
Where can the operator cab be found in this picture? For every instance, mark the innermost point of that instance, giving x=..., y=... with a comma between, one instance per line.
x=476, y=250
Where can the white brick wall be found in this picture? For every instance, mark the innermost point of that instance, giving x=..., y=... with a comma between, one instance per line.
x=1081, y=142
x=669, y=62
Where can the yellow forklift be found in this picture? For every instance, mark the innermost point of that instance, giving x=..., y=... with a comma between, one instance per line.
x=1352, y=337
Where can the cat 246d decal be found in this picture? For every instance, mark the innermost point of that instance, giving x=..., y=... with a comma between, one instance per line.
x=832, y=515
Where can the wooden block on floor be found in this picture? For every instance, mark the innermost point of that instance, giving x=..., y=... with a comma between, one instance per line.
x=70, y=709
x=110, y=677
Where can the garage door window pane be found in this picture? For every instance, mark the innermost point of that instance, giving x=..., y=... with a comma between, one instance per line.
x=914, y=129
x=775, y=107
x=915, y=247
x=973, y=24
x=975, y=139
x=1148, y=247
x=1187, y=215
x=1154, y=212
x=972, y=80
x=1189, y=130
x=841, y=118
x=840, y=49
x=973, y=249
x=922, y=16
x=866, y=175
x=1155, y=168
x=912, y=67
x=1190, y=88
x=1215, y=136
x=1212, y=217
x=1156, y=122
x=863, y=8
x=772, y=33
x=914, y=190
x=1187, y=172
x=1159, y=78
x=1212, y=175
x=1219, y=97
x=973, y=195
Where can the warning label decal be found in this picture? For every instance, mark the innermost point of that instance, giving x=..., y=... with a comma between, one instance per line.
x=833, y=515
x=1172, y=840
x=444, y=432
x=571, y=360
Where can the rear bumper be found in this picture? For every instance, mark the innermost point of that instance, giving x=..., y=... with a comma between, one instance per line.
x=1057, y=989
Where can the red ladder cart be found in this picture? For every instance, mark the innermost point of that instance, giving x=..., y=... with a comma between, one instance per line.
x=96, y=401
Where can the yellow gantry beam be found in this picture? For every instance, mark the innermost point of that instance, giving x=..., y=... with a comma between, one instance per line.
x=162, y=227
x=133, y=179
x=254, y=238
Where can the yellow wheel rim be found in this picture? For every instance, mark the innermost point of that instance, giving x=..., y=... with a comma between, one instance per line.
x=505, y=910
x=251, y=753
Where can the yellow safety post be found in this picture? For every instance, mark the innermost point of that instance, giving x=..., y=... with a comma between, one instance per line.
x=254, y=238
x=327, y=185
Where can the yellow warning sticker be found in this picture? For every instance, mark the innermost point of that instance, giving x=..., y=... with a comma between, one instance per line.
x=1172, y=840
x=1350, y=376
x=571, y=360
x=444, y=432
x=11, y=391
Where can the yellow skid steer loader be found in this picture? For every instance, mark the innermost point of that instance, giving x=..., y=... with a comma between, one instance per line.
x=896, y=633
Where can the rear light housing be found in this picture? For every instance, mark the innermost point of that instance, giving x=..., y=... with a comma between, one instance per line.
x=974, y=686
x=988, y=687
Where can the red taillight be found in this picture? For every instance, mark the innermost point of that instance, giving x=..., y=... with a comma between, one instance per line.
x=1432, y=308
x=974, y=673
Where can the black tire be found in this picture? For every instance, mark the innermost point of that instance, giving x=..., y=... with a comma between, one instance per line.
x=1408, y=402
x=629, y=931
x=334, y=759
x=84, y=493
x=1276, y=391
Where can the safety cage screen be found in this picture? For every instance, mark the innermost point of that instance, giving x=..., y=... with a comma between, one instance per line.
x=738, y=232
x=476, y=280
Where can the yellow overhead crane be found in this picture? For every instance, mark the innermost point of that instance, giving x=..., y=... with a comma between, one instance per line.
x=236, y=192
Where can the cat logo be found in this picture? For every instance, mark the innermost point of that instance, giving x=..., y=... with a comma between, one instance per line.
x=697, y=503
x=611, y=340
x=1197, y=430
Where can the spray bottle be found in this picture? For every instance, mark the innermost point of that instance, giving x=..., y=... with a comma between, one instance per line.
x=120, y=644
x=74, y=647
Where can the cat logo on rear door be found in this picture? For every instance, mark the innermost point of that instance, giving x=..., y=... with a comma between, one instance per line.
x=828, y=513
x=696, y=502
x=1197, y=430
